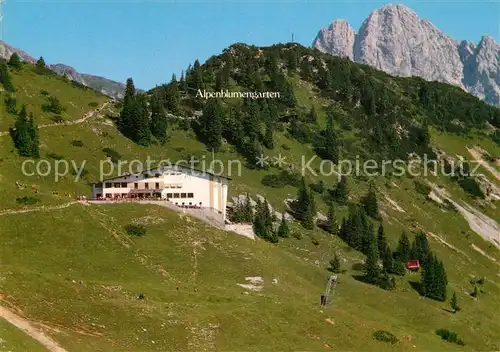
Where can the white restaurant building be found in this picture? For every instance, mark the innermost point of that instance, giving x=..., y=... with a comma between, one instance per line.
x=182, y=186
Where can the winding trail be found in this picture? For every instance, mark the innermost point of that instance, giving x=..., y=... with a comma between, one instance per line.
x=42, y=208
x=85, y=117
x=24, y=325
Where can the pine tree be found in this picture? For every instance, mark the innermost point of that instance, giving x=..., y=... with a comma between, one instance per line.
x=159, y=121
x=428, y=281
x=283, y=230
x=420, y=248
x=263, y=224
x=172, y=98
x=386, y=281
x=454, y=303
x=127, y=114
x=25, y=135
x=292, y=61
x=370, y=203
x=335, y=265
x=141, y=132
x=332, y=225
x=309, y=221
x=381, y=239
x=33, y=133
x=327, y=146
x=312, y=117
x=247, y=210
x=211, y=125
x=5, y=78
x=40, y=67
x=402, y=253
x=442, y=281
x=302, y=204
x=341, y=192
x=387, y=260
x=268, y=140
x=372, y=270
x=433, y=279
x=15, y=61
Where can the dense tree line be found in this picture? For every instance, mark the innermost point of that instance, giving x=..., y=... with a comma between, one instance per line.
x=390, y=123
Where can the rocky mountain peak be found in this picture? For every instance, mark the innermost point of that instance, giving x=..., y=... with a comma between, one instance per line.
x=337, y=39
x=396, y=40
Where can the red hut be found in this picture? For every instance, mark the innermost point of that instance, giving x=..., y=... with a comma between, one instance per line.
x=413, y=264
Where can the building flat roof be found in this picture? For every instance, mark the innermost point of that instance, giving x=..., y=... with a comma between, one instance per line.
x=173, y=168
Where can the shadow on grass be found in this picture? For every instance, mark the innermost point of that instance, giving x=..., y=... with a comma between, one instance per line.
x=362, y=278
x=416, y=286
x=448, y=310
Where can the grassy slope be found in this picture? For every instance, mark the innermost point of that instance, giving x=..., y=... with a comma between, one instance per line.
x=14, y=340
x=29, y=86
x=44, y=252
x=84, y=280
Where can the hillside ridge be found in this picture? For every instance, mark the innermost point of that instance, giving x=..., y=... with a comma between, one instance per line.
x=396, y=40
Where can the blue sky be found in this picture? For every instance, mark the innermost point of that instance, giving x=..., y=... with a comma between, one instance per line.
x=148, y=40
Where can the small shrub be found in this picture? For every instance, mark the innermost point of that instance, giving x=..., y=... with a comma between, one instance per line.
x=53, y=105
x=93, y=104
x=297, y=235
x=422, y=188
x=315, y=241
x=55, y=156
x=113, y=154
x=27, y=200
x=44, y=93
x=77, y=143
x=141, y=296
x=285, y=147
x=11, y=105
x=317, y=187
x=450, y=336
x=385, y=336
x=471, y=186
x=135, y=230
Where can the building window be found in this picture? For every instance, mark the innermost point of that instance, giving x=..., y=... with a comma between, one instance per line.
x=146, y=185
x=179, y=186
x=108, y=185
x=108, y=195
x=136, y=185
x=157, y=185
x=190, y=195
x=157, y=175
x=124, y=184
x=169, y=195
x=176, y=195
x=117, y=185
x=190, y=203
x=183, y=195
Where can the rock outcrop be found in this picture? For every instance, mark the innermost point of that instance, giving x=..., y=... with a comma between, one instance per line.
x=395, y=40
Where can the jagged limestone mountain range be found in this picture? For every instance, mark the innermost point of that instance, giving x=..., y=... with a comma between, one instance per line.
x=396, y=40
x=103, y=85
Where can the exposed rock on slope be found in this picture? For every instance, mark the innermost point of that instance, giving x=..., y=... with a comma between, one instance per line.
x=105, y=86
x=394, y=39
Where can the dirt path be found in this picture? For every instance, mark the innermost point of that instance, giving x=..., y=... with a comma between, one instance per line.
x=42, y=208
x=69, y=123
x=24, y=325
x=479, y=158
